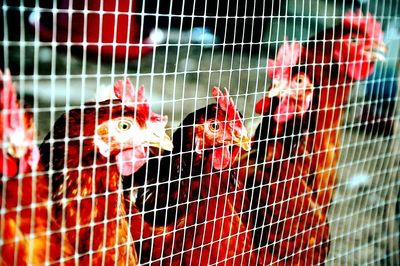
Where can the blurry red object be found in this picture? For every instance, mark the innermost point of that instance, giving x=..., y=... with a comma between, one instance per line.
x=111, y=28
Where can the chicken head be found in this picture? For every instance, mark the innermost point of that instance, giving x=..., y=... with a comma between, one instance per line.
x=129, y=137
x=294, y=89
x=220, y=128
x=359, y=45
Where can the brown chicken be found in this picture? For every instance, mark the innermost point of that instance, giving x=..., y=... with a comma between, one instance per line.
x=87, y=154
x=17, y=132
x=186, y=219
x=290, y=174
x=24, y=195
x=347, y=55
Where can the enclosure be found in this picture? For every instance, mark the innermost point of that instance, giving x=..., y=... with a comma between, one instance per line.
x=312, y=175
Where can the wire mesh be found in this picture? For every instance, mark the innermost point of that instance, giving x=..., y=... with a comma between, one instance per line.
x=319, y=183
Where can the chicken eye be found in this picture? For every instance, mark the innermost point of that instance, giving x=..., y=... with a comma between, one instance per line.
x=124, y=125
x=300, y=79
x=213, y=126
x=353, y=39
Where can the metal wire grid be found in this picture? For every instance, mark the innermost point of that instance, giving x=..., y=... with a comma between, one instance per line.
x=178, y=76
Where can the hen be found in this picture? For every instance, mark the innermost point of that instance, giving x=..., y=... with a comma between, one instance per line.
x=346, y=55
x=87, y=154
x=294, y=156
x=17, y=132
x=287, y=225
x=184, y=218
x=24, y=195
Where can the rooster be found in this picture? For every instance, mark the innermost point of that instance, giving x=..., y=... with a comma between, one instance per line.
x=184, y=218
x=87, y=154
x=292, y=173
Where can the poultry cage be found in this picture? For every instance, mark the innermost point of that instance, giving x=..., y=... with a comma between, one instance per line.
x=120, y=145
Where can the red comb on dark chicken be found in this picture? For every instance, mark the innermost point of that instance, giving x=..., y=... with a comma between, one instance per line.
x=105, y=145
x=137, y=100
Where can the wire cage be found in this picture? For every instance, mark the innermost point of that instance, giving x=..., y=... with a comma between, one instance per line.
x=119, y=144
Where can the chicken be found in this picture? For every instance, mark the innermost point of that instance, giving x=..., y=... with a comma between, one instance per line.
x=17, y=133
x=24, y=193
x=287, y=225
x=87, y=154
x=346, y=55
x=290, y=174
x=184, y=219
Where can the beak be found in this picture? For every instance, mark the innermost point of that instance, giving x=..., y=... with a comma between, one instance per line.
x=17, y=151
x=159, y=141
x=17, y=147
x=378, y=51
x=275, y=89
x=243, y=142
x=278, y=88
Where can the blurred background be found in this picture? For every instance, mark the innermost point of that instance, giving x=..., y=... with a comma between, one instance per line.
x=180, y=49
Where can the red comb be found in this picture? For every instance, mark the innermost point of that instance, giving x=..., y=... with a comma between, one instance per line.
x=365, y=24
x=126, y=93
x=226, y=103
x=288, y=55
x=8, y=100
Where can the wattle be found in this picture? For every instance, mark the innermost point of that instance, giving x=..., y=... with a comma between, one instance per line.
x=221, y=158
x=285, y=110
x=129, y=161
